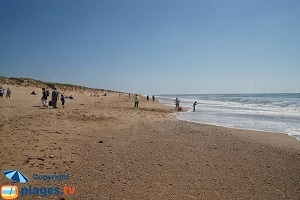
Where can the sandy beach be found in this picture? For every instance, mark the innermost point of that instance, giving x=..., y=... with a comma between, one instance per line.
x=111, y=150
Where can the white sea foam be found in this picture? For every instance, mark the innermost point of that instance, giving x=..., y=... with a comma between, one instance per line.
x=278, y=113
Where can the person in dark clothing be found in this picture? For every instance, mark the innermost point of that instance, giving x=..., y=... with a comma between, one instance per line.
x=44, y=97
x=62, y=99
x=54, y=98
x=176, y=101
x=194, y=106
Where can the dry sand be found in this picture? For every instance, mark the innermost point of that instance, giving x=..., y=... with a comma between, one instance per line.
x=112, y=151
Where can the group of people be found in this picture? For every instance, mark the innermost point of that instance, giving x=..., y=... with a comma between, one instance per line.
x=179, y=108
x=153, y=98
x=54, y=98
x=2, y=91
x=137, y=99
x=176, y=101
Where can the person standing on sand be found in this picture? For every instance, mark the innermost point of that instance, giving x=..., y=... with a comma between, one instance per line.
x=62, y=99
x=153, y=98
x=54, y=97
x=147, y=97
x=176, y=101
x=1, y=91
x=136, y=100
x=44, y=97
x=8, y=92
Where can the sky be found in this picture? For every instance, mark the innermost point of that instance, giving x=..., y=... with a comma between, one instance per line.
x=154, y=46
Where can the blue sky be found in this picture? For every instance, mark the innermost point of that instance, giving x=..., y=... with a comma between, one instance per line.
x=154, y=46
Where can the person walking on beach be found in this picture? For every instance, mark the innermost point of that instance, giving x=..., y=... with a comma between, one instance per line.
x=44, y=97
x=8, y=92
x=194, y=106
x=176, y=101
x=153, y=98
x=136, y=100
x=62, y=99
x=147, y=97
x=54, y=98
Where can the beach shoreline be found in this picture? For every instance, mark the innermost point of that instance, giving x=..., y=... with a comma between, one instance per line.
x=274, y=137
x=114, y=151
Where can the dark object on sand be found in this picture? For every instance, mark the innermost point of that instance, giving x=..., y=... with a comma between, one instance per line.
x=100, y=141
x=33, y=93
x=50, y=103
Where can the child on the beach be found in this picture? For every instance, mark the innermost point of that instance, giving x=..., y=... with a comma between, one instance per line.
x=180, y=108
x=62, y=99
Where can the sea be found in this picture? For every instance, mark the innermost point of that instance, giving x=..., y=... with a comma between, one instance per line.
x=278, y=113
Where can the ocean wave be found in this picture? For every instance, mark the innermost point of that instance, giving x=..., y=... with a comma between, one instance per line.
x=278, y=113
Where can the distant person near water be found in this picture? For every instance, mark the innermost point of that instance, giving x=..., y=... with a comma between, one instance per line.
x=147, y=97
x=54, y=98
x=8, y=93
x=194, y=106
x=180, y=108
x=45, y=95
x=136, y=100
x=62, y=99
x=176, y=101
x=153, y=98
